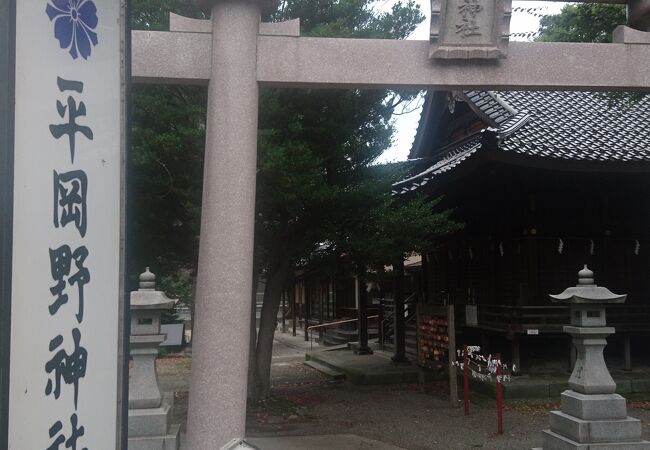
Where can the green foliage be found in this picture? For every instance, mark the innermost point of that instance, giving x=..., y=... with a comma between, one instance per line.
x=178, y=283
x=166, y=166
x=588, y=23
x=351, y=18
x=392, y=229
x=316, y=181
x=154, y=14
x=582, y=23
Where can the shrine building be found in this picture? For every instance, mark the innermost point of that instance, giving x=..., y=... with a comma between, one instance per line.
x=544, y=182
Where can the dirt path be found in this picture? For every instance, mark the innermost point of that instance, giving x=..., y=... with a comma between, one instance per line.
x=305, y=403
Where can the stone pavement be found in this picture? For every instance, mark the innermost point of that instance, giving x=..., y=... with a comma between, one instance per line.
x=323, y=442
x=367, y=369
x=296, y=342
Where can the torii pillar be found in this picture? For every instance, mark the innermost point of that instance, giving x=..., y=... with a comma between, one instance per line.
x=217, y=403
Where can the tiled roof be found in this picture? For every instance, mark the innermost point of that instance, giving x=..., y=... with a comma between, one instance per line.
x=579, y=126
x=445, y=164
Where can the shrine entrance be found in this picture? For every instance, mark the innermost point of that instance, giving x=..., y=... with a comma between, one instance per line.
x=233, y=53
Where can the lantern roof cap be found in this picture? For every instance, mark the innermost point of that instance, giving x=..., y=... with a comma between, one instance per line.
x=147, y=297
x=586, y=291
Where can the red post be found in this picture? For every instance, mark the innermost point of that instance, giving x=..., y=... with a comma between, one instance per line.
x=499, y=398
x=465, y=381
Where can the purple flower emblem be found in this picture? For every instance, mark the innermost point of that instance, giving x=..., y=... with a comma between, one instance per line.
x=74, y=25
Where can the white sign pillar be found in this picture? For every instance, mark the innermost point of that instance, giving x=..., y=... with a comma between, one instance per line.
x=217, y=404
x=66, y=284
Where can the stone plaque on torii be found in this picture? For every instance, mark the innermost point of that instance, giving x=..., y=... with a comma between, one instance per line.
x=234, y=54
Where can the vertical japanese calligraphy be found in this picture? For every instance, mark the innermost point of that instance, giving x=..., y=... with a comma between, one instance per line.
x=65, y=341
x=470, y=29
x=70, y=199
x=69, y=205
x=73, y=111
x=468, y=11
x=59, y=438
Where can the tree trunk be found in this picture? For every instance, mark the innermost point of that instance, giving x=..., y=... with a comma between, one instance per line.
x=275, y=281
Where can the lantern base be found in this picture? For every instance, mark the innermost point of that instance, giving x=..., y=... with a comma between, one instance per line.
x=590, y=422
x=171, y=441
x=149, y=428
x=555, y=441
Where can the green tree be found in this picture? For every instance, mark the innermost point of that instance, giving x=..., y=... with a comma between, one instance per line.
x=315, y=150
x=582, y=23
x=166, y=166
x=587, y=23
x=316, y=182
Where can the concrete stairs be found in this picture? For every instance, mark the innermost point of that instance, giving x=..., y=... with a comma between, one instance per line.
x=372, y=369
x=329, y=372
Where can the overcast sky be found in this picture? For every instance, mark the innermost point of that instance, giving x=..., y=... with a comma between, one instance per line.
x=521, y=22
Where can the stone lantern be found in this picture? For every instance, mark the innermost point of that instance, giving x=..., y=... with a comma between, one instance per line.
x=149, y=410
x=592, y=415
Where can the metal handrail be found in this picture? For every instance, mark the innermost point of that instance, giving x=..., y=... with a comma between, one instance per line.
x=338, y=322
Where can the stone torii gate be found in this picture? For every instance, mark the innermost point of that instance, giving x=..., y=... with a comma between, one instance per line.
x=234, y=54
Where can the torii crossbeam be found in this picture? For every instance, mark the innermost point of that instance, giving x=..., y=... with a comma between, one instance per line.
x=234, y=55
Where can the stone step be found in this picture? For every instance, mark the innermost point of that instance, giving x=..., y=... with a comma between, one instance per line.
x=594, y=406
x=169, y=441
x=330, y=373
x=554, y=441
x=595, y=431
x=332, y=348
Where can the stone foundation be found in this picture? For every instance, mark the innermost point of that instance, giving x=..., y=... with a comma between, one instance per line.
x=150, y=429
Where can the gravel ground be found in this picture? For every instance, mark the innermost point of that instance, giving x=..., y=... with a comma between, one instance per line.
x=304, y=403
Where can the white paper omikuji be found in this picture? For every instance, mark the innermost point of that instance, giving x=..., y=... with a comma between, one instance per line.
x=490, y=364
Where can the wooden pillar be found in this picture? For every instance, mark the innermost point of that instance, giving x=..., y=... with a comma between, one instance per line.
x=363, y=348
x=425, y=278
x=322, y=301
x=451, y=349
x=307, y=309
x=284, y=311
x=399, y=327
x=294, y=313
